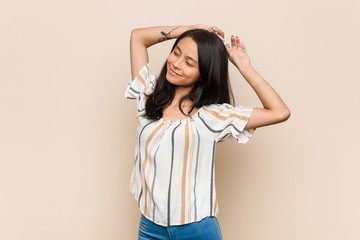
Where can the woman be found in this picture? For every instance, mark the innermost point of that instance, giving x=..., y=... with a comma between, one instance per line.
x=181, y=116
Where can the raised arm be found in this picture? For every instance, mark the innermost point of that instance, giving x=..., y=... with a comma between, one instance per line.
x=142, y=38
x=275, y=110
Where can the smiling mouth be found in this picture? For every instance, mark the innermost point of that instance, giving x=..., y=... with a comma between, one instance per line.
x=173, y=72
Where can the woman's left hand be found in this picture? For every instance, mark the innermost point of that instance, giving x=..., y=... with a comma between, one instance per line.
x=237, y=53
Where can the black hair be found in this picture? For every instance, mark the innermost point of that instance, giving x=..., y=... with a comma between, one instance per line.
x=214, y=86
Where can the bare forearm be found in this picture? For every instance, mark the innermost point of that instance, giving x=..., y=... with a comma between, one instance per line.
x=267, y=95
x=152, y=35
x=142, y=38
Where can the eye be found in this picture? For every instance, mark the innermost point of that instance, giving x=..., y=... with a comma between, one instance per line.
x=176, y=54
x=189, y=64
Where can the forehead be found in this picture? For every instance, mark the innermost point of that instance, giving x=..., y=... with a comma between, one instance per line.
x=188, y=47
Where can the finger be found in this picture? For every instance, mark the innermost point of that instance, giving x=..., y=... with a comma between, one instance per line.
x=228, y=48
x=211, y=29
x=233, y=42
x=218, y=31
x=243, y=46
x=221, y=33
x=215, y=29
x=221, y=37
x=238, y=42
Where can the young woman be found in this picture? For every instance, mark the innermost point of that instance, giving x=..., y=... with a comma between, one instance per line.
x=181, y=116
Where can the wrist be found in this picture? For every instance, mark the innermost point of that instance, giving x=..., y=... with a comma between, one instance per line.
x=244, y=67
x=199, y=26
x=177, y=31
x=190, y=27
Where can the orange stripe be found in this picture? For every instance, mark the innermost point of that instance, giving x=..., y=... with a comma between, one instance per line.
x=215, y=204
x=141, y=79
x=223, y=118
x=184, y=173
x=148, y=142
x=146, y=76
x=149, y=168
x=133, y=180
x=245, y=111
x=145, y=160
x=151, y=149
x=143, y=82
x=190, y=169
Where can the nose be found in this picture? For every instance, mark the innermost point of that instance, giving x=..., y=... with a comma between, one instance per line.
x=177, y=63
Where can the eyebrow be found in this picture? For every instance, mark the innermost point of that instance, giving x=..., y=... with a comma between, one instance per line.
x=177, y=47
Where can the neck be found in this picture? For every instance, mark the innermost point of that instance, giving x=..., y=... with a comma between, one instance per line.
x=179, y=93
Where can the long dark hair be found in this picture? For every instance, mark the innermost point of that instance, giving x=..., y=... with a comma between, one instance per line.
x=214, y=86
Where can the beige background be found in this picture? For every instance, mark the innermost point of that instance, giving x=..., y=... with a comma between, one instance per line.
x=67, y=134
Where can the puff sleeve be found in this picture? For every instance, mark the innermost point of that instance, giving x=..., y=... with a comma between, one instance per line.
x=224, y=120
x=143, y=83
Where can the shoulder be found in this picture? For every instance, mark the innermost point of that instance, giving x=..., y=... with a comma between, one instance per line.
x=225, y=108
x=142, y=83
x=225, y=112
x=224, y=120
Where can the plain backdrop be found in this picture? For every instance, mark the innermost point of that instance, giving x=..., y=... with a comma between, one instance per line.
x=67, y=133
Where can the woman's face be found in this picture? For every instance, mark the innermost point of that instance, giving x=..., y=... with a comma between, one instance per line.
x=183, y=64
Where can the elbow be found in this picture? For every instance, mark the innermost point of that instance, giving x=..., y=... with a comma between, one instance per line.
x=284, y=115
x=134, y=34
x=137, y=37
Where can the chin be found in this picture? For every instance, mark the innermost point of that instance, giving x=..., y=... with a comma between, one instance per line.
x=172, y=82
x=170, y=79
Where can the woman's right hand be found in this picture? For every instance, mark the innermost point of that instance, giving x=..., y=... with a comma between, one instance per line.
x=213, y=29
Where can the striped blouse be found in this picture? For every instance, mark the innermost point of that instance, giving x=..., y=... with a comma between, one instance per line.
x=173, y=179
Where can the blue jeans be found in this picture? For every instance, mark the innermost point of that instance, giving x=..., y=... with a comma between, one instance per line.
x=206, y=229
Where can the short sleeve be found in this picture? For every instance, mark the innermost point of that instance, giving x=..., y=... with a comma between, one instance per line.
x=225, y=120
x=143, y=83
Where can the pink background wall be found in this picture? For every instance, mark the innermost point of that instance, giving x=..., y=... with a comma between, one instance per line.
x=67, y=134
